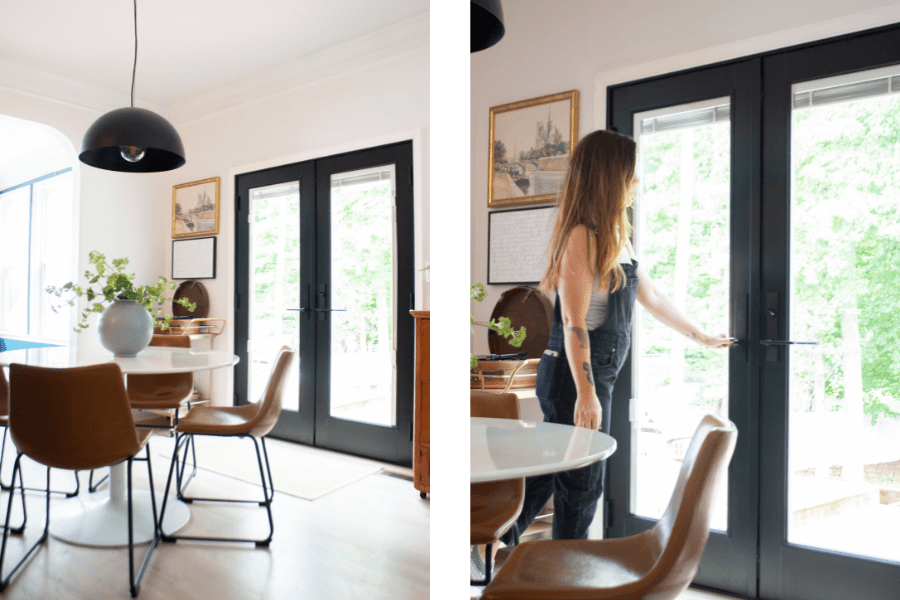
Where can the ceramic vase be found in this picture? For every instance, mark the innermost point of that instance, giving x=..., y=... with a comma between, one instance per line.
x=125, y=327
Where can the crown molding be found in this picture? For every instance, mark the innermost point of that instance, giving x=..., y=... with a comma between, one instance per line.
x=401, y=39
x=405, y=38
x=34, y=82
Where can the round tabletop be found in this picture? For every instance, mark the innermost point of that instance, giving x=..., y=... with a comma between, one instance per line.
x=508, y=448
x=153, y=359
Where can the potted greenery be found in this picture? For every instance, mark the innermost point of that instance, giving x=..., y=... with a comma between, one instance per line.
x=502, y=326
x=126, y=325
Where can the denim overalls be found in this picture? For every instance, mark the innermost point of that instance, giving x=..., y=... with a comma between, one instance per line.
x=575, y=493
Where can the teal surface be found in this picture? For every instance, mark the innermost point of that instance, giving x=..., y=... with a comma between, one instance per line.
x=6, y=344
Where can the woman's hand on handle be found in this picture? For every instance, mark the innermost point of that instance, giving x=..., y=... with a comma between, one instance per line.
x=588, y=413
x=722, y=340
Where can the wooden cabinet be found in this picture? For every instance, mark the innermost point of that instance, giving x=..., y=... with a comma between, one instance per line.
x=422, y=409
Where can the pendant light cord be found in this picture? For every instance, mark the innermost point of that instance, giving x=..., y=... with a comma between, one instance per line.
x=134, y=69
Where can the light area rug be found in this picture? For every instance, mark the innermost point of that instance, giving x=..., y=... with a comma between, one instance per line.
x=297, y=470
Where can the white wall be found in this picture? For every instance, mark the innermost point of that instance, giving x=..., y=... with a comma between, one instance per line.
x=385, y=101
x=120, y=214
x=552, y=47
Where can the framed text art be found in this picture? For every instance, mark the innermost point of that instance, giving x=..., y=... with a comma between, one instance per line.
x=194, y=258
x=195, y=208
x=530, y=143
x=517, y=244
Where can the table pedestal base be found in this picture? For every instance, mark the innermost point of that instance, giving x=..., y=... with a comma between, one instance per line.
x=101, y=518
x=95, y=520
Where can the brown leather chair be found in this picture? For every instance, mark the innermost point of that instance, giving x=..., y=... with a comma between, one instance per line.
x=75, y=419
x=164, y=392
x=4, y=422
x=494, y=506
x=657, y=564
x=251, y=420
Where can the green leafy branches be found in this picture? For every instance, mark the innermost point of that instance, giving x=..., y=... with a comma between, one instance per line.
x=502, y=325
x=110, y=283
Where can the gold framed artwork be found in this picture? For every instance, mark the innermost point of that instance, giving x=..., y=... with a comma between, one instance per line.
x=529, y=149
x=195, y=208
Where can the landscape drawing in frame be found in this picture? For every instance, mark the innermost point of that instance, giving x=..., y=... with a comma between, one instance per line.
x=195, y=208
x=530, y=142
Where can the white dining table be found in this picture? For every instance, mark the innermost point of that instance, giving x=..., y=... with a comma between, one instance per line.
x=509, y=448
x=101, y=518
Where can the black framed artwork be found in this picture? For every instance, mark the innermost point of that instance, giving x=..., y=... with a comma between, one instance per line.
x=517, y=244
x=194, y=258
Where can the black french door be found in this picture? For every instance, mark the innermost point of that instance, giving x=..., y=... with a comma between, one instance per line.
x=770, y=190
x=711, y=113
x=324, y=264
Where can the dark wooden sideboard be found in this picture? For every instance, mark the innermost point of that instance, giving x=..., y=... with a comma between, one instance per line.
x=422, y=410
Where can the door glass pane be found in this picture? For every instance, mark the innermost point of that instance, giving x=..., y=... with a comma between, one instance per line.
x=682, y=238
x=14, y=227
x=274, y=285
x=844, y=419
x=362, y=275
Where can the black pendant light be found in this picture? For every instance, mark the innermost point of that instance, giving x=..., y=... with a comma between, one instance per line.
x=132, y=140
x=485, y=24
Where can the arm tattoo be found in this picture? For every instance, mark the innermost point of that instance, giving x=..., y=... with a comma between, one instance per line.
x=581, y=334
x=587, y=371
x=693, y=336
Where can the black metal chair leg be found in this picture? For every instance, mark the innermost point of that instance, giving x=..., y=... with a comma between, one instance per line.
x=179, y=475
x=6, y=488
x=268, y=470
x=488, y=567
x=172, y=469
x=17, y=468
x=135, y=583
x=92, y=487
x=268, y=492
x=3, y=486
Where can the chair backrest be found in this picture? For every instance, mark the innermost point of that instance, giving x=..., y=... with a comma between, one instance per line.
x=76, y=418
x=166, y=388
x=680, y=535
x=270, y=404
x=4, y=394
x=496, y=406
x=494, y=505
x=171, y=341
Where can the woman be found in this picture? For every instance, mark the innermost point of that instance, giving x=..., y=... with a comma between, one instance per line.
x=595, y=274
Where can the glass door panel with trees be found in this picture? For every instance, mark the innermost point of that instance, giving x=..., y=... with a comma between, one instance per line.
x=831, y=123
x=682, y=236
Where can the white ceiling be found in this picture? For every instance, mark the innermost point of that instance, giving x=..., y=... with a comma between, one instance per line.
x=185, y=47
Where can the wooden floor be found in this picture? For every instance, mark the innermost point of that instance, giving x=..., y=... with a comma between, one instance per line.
x=541, y=533
x=369, y=539
x=688, y=594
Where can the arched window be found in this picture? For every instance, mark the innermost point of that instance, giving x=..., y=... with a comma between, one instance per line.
x=37, y=231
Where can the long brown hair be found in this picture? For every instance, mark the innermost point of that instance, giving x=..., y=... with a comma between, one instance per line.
x=595, y=195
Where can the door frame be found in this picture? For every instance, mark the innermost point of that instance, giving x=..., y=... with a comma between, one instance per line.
x=729, y=562
x=291, y=425
x=316, y=427
x=786, y=570
x=224, y=379
x=341, y=434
